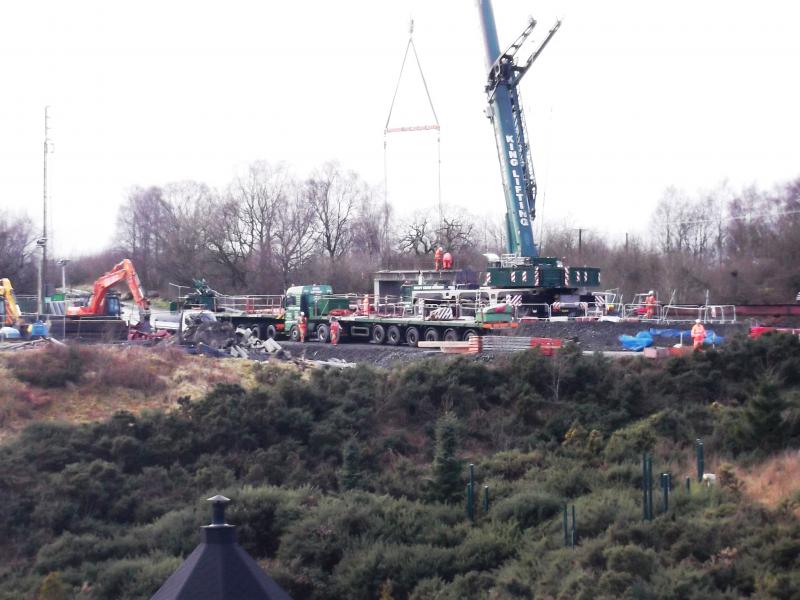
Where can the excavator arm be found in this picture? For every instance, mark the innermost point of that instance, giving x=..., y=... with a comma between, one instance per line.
x=124, y=270
x=12, y=313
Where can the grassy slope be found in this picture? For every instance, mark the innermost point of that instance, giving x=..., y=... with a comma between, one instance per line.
x=116, y=378
x=541, y=433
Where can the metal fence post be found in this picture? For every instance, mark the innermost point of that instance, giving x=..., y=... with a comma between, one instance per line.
x=486, y=499
x=574, y=528
x=700, y=459
x=649, y=488
x=644, y=487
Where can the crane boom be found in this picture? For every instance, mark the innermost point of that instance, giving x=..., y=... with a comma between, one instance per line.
x=511, y=136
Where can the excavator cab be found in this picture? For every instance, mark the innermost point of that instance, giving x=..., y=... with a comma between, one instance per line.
x=113, y=307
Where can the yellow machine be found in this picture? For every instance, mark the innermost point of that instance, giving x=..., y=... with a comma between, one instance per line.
x=8, y=304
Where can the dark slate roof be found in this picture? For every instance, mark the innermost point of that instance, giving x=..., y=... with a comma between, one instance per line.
x=220, y=569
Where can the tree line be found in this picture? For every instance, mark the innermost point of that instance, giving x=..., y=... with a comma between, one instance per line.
x=736, y=246
x=269, y=228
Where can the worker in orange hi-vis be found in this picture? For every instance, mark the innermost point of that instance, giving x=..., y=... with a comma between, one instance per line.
x=335, y=331
x=365, y=304
x=437, y=258
x=447, y=261
x=650, y=305
x=698, y=334
x=302, y=326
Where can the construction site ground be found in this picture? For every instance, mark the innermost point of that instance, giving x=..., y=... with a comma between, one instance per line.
x=590, y=336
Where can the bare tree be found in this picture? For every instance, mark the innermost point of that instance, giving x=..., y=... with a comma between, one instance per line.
x=261, y=194
x=17, y=243
x=334, y=197
x=142, y=231
x=189, y=206
x=294, y=240
x=418, y=237
x=455, y=232
x=228, y=240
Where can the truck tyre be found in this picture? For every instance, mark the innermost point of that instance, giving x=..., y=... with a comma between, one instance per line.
x=271, y=333
x=469, y=334
x=431, y=335
x=378, y=334
x=412, y=336
x=393, y=335
x=323, y=333
x=450, y=335
x=294, y=333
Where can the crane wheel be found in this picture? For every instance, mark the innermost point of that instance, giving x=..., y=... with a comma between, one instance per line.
x=431, y=335
x=272, y=333
x=378, y=334
x=393, y=335
x=451, y=335
x=412, y=336
x=323, y=333
x=469, y=334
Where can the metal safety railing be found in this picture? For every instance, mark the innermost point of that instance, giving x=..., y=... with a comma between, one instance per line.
x=260, y=305
x=713, y=313
x=643, y=311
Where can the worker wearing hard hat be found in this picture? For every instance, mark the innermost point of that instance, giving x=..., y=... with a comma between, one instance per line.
x=302, y=326
x=650, y=305
x=437, y=258
x=447, y=261
x=698, y=334
x=335, y=327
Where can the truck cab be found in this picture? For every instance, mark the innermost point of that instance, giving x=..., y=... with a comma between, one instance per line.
x=318, y=304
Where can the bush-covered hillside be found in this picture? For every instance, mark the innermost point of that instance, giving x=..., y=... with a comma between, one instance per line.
x=350, y=483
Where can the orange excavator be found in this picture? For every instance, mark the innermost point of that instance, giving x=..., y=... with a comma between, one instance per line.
x=105, y=304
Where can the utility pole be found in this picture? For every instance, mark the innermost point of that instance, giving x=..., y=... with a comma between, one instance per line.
x=43, y=240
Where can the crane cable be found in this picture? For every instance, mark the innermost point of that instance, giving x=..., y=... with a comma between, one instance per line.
x=434, y=127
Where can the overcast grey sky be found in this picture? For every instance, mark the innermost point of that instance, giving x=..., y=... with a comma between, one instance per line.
x=629, y=98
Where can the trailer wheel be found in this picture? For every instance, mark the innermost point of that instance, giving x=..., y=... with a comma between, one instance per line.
x=378, y=334
x=451, y=335
x=294, y=333
x=469, y=334
x=412, y=336
x=323, y=333
x=431, y=335
x=393, y=335
x=272, y=333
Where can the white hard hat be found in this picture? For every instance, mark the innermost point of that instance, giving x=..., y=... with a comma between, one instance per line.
x=697, y=320
x=302, y=314
x=651, y=292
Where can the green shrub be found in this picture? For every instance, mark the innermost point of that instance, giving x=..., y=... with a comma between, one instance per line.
x=528, y=509
x=631, y=559
x=630, y=442
x=448, y=476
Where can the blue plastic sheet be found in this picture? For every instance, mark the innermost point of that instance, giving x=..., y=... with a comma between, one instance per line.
x=676, y=333
x=711, y=337
x=637, y=342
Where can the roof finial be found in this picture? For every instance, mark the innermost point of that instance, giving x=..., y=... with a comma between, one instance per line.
x=218, y=516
